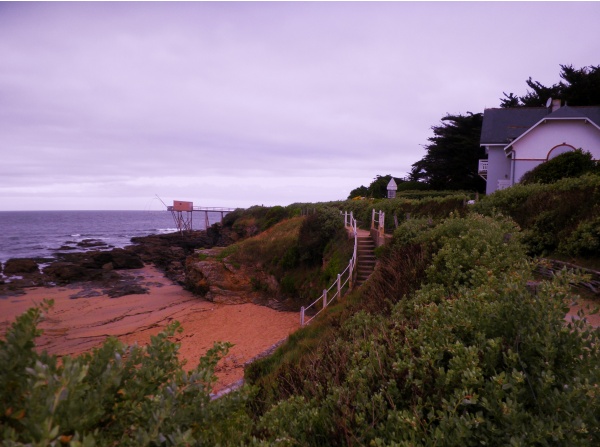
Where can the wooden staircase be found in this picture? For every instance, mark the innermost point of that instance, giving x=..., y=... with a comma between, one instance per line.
x=365, y=260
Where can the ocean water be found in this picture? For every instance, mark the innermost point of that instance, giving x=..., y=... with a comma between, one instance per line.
x=40, y=234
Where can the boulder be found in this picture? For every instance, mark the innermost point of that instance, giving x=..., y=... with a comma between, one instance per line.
x=20, y=265
x=68, y=272
x=127, y=289
x=124, y=259
x=221, y=282
x=92, y=243
x=118, y=257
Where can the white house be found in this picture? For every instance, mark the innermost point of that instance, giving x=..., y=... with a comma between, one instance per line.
x=518, y=139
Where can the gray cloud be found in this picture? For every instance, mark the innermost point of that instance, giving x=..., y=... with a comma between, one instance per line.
x=102, y=105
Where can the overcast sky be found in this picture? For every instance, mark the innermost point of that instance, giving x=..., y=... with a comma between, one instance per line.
x=106, y=105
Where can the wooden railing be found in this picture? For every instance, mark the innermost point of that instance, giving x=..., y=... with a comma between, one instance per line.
x=378, y=227
x=344, y=280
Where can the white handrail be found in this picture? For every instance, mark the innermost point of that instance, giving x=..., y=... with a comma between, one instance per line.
x=350, y=270
x=378, y=226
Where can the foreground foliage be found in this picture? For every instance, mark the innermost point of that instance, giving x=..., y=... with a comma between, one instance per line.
x=116, y=395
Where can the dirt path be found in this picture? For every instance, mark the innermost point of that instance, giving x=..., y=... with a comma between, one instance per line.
x=75, y=326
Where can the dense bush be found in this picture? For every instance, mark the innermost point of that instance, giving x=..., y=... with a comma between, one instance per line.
x=478, y=362
x=316, y=232
x=253, y=220
x=548, y=213
x=569, y=164
x=115, y=395
x=469, y=250
x=416, y=204
x=584, y=241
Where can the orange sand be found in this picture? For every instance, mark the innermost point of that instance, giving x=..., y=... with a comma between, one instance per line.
x=74, y=326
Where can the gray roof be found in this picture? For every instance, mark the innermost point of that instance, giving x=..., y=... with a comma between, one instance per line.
x=591, y=112
x=501, y=126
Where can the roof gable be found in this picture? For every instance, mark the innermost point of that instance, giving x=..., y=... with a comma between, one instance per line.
x=591, y=112
x=503, y=126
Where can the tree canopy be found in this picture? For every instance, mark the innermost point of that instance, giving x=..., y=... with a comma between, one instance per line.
x=578, y=87
x=452, y=157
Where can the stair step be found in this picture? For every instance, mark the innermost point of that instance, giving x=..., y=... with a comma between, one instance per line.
x=366, y=259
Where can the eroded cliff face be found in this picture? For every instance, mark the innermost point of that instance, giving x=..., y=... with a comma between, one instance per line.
x=217, y=279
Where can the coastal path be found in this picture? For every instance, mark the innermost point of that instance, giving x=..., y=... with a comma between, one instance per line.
x=359, y=269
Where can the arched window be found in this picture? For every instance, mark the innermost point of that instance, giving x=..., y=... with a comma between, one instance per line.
x=560, y=149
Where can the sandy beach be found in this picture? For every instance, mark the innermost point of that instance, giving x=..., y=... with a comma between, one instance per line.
x=82, y=318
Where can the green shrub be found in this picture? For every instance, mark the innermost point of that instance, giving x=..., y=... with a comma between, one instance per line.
x=408, y=230
x=274, y=215
x=547, y=213
x=316, y=232
x=569, y=164
x=116, y=395
x=497, y=366
x=584, y=241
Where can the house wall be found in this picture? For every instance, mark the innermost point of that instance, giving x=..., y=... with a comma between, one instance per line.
x=539, y=142
x=533, y=149
x=498, y=167
x=523, y=166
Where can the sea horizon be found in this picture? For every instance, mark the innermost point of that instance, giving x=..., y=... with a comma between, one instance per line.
x=42, y=234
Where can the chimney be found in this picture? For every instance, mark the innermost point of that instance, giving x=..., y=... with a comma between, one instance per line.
x=555, y=104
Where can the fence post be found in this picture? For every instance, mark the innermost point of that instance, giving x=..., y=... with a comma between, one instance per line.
x=373, y=219
x=324, y=298
x=339, y=287
x=302, y=316
x=382, y=225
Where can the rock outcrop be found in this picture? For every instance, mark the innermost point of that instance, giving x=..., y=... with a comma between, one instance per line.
x=18, y=266
x=219, y=281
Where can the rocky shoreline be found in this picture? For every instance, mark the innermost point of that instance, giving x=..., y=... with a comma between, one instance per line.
x=192, y=261
x=106, y=267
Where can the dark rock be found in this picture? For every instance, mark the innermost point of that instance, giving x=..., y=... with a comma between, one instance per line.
x=27, y=280
x=124, y=259
x=20, y=265
x=118, y=257
x=91, y=243
x=68, y=272
x=127, y=289
x=65, y=248
x=86, y=294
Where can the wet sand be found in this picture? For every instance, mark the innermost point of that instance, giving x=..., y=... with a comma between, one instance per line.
x=74, y=326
